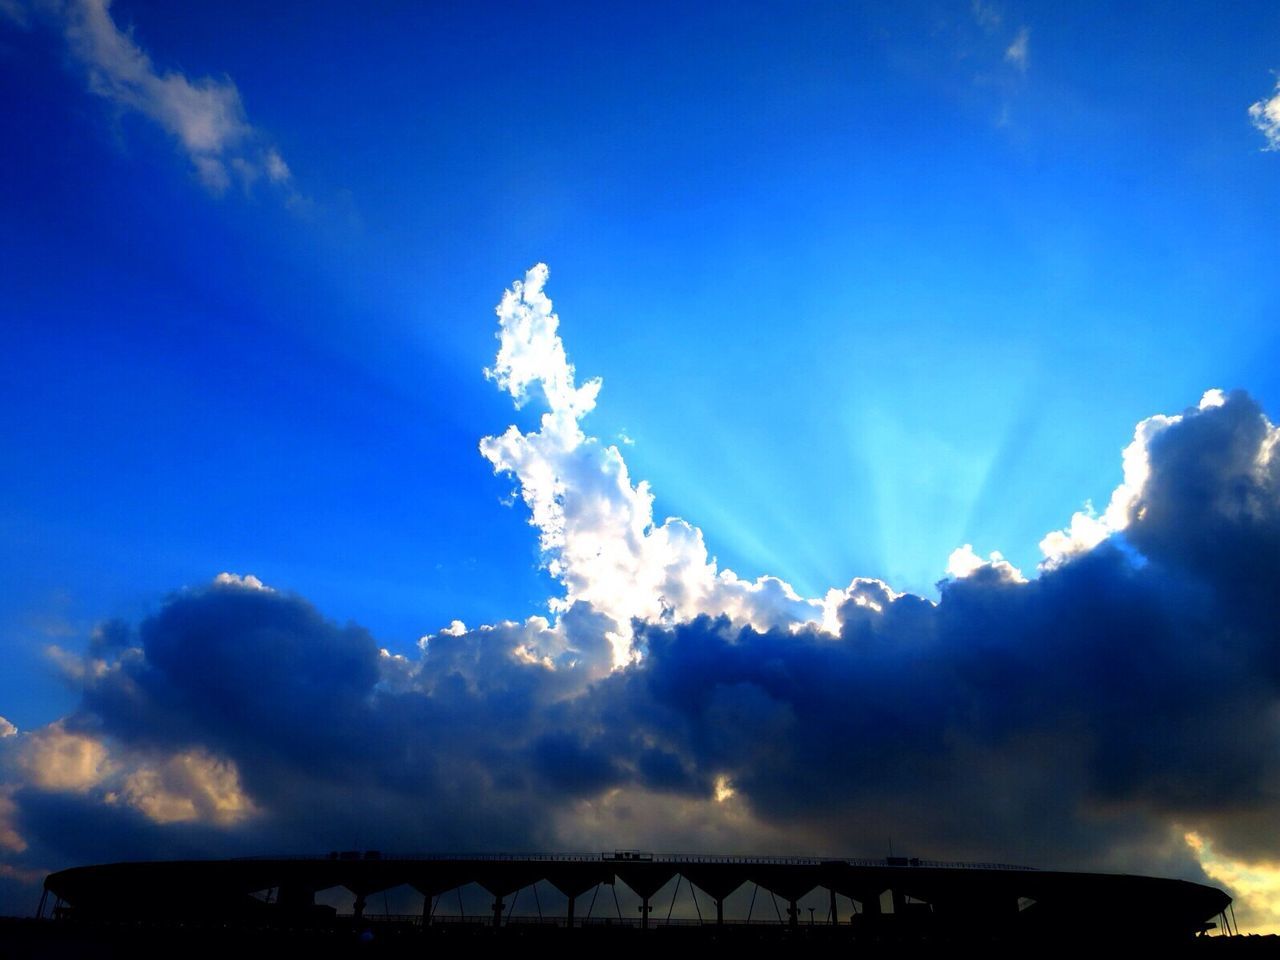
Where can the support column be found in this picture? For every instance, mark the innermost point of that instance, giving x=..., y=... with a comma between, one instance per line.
x=359, y=907
x=720, y=911
x=871, y=904
x=426, y=909
x=644, y=913
x=497, y=912
x=569, y=915
x=793, y=914
x=835, y=917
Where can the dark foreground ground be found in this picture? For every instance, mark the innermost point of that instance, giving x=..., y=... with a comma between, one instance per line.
x=23, y=938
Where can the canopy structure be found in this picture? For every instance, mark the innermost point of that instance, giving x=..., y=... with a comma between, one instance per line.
x=904, y=897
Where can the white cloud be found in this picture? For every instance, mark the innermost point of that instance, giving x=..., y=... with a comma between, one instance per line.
x=866, y=592
x=596, y=527
x=1086, y=529
x=277, y=170
x=7, y=729
x=1213, y=397
x=205, y=116
x=1018, y=52
x=601, y=541
x=986, y=15
x=73, y=666
x=247, y=582
x=531, y=351
x=1265, y=115
x=964, y=562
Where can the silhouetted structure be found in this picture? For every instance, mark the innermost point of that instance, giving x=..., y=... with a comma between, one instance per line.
x=923, y=900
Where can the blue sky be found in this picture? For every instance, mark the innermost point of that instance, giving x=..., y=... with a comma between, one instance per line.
x=862, y=285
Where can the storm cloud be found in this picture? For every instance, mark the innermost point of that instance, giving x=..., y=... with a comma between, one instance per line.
x=1088, y=716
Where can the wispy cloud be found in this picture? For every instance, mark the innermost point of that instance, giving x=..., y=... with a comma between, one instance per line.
x=204, y=115
x=14, y=12
x=1000, y=56
x=986, y=15
x=1265, y=115
x=1019, y=51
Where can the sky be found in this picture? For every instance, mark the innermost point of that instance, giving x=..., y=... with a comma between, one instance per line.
x=723, y=429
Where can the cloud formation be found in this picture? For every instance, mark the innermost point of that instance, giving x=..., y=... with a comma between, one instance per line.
x=1094, y=715
x=204, y=116
x=1018, y=52
x=1264, y=114
x=986, y=15
x=596, y=528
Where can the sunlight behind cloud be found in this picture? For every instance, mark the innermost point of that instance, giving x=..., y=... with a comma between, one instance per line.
x=1255, y=884
x=596, y=527
x=664, y=700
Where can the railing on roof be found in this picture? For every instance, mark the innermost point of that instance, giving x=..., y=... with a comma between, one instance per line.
x=486, y=920
x=658, y=858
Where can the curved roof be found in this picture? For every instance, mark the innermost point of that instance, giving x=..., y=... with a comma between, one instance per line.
x=955, y=893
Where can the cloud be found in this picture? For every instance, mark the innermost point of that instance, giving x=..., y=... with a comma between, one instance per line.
x=964, y=562
x=986, y=15
x=185, y=787
x=7, y=729
x=1265, y=116
x=178, y=787
x=205, y=116
x=1019, y=51
x=596, y=528
x=1087, y=529
x=15, y=12
x=1091, y=716
x=1257, y=882
x=10, y=841
x=55, y=759
x=249, y=581
x=998, y=56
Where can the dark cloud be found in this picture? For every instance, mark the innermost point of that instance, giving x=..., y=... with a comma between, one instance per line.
x=223, y=665
x=1090, y=694
x=1211, y=505
x=1084, y=718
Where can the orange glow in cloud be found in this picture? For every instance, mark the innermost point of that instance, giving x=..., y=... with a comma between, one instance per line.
x=1256, y=886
